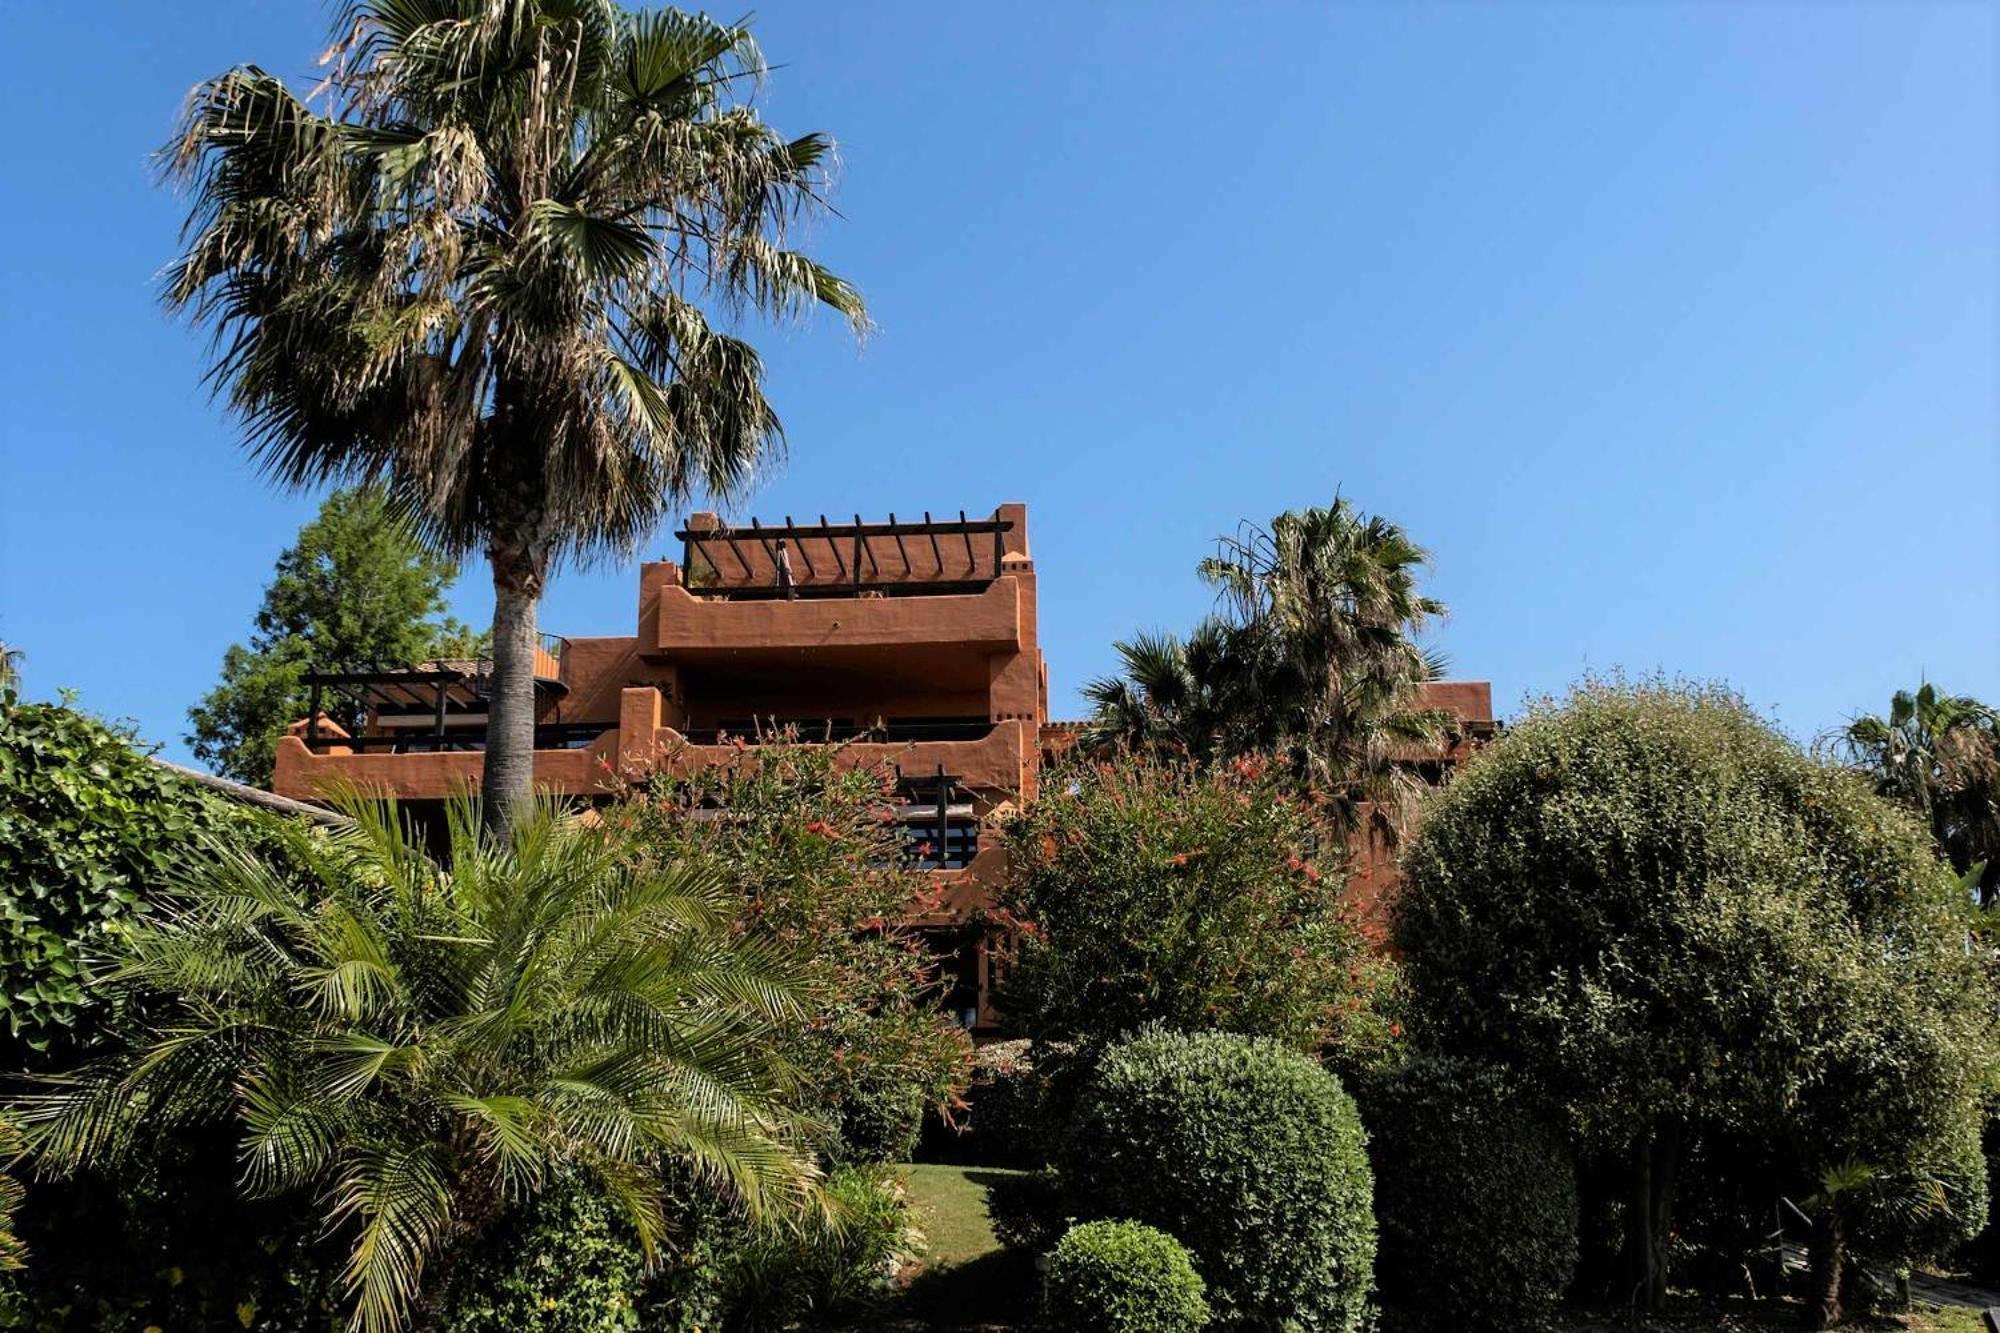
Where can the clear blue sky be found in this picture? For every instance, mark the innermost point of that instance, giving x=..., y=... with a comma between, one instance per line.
x=1670, y=329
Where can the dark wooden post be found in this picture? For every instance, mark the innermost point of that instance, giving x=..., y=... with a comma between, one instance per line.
x=944, y=816
x=312, y=719
x=437, y=720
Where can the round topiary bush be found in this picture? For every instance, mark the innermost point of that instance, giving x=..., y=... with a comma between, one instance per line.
x=1248, y=1152
x=1476, y=1196
x=1122, y=1277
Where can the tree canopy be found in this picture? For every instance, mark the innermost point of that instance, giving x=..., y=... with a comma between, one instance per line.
x=357, y=589
x=1938, y=754
x=479, y=266
x=1672, y=921
x=1313, y=658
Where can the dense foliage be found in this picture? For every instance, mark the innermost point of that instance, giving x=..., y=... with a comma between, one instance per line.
x=1247, y=1152
x=88, y=824
x=1164, y=893
x=478, y=268
x=819, y=870
x=566, y=1260
x=1122, y=1277
x=1313, y=659
x=416, y=1045
x=165, y=1241
x=1475, y=1195
x=830, y=1269
x=355, y=590
x=563, y=1262
x=1668, y=921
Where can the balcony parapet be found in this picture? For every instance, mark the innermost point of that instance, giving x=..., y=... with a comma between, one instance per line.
x=1003, y=759
x=988, y=619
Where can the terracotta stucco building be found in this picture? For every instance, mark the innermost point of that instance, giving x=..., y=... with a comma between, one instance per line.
x=911, y=643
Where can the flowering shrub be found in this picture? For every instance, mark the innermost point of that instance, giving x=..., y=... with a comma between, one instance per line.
x=818, y=858
x=1158, y=893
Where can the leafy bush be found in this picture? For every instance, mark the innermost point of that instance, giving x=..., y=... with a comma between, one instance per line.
x=564, y=1262
x=1009, y=1109
x=1123, y=1277
x=1152, y=892
x=416, y=1043
x=1475, y=1194
x=167, y=1242
x=1248, y=1152
x=817, y=860
x=567, y=1261
x=829, y=1268
x=88, y=824
x=1666, y=919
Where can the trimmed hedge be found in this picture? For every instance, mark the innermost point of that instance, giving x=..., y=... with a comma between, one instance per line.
x=1476, y=1195
x=1123, y=1277
x=1252, y=1155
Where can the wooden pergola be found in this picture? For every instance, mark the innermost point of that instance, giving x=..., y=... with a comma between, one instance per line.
x=842, y=560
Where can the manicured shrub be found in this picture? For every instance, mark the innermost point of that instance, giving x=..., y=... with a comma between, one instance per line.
x=1659, y=914
x=1249, y=1153
x=1475, y=1195
x=1123, y=1277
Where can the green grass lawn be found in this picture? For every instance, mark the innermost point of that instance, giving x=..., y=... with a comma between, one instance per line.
x=967, y=1280
x=1765, y=1317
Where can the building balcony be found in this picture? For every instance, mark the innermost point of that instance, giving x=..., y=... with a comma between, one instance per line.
x=598, y=759
x=696, y=626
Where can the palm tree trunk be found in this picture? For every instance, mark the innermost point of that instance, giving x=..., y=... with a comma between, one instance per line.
x=509, y=775
x=1827, y=1255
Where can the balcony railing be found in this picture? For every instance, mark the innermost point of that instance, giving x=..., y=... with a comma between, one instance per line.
x=458, y=740
x=810, y=733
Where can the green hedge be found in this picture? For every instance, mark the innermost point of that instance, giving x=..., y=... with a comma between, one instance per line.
x=565, y=1262
x=1476, y=1195
x=1123, y=1277
x=87, y=824
x=1248, y=1152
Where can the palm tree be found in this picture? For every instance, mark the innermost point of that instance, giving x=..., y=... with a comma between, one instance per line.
x=1172, y=695
x=10, y=665
x=420, y=1045
x=1938, y=754
x=477, y=267
x=1313, y=658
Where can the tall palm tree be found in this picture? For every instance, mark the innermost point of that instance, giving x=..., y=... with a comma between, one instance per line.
x=477, y=266
x=1313, y=658
x=1938, y=754
x=10, y=665
x=421, y=1045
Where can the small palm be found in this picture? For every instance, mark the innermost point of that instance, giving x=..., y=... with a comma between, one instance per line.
x=421, y=1046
